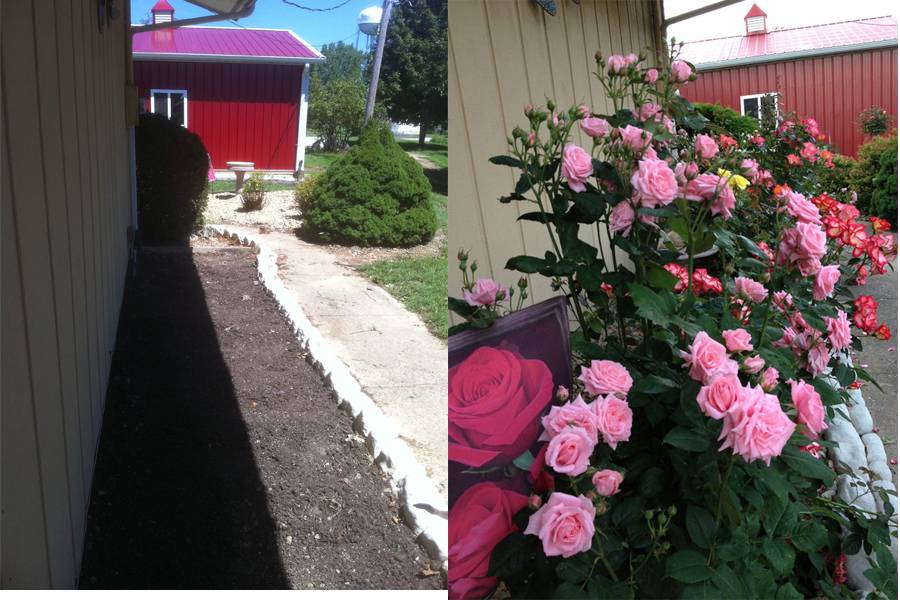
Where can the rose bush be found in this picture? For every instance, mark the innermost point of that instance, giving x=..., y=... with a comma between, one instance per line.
x=687, y=460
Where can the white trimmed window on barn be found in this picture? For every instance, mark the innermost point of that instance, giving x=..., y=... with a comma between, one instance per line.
x=171, y=103
x=752, y=105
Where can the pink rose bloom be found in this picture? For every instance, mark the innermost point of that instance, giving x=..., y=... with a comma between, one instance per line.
x=569, y=452
x=486, y=292
x=681, y=71
x=811, y=126
x=737, y=340
x=595, y=126
x=621, y=218
x=613, y=417
x=782, y=300
x=606, y=377
x=574, y=414
x=630, y=59
x=654, y=182
x=838, y=330
x=584, y=111
x=720, y=396
x=749, y=289
x=705, y=146
x=576, y=167
x=724, y=202
x=802, y=209
x=817, y=359
x=607, y=482
x=649, y=110
x=617, y=63
x=769, y=379
x=565, y=525
x=708, y=359
x=691, y=170
x=823, y=284
x=703, y=187
x=753, y=364
x=810, y=242
x=634, y=138
x=751, y=169
x=810, y=411
x=809, y=152
x=757, y=428
x=651, y=76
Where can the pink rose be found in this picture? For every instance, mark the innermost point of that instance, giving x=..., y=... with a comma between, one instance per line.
x=654, y=182
x=576, y=167
x=565, y=525
x=634, y=138
x=783, y=300
x=574, y=414
x=630, y=59
x=607, y=482
x=810, y=411
x=569, y=452
x=838, y=330
x=494, y=400
x=723, y=202
x=823, y=284
x=613, y=419
x=705, y=146
x=757, y=428
x=708, y=359
x=485, y=293
x=651, y=76
x=817, y=359
x=595, y=126
x=649, y=110
x=802, y=209
x=720, y=396
x=606, y=377
x=751, y=169
x=753, y=364
x=769, y=379
x=621, y=218
x=737, y=340
x=750, y=289
x=710, y=186
x=681, y=71
x=584, y=111
x=617, y=63
x=479, y=519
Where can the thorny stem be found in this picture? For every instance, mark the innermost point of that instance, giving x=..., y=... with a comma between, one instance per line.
x=712, y=550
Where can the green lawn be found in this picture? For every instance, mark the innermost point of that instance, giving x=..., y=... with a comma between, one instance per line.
x=319, y=161
x=436, y=153
x=224, y=185
x=439, y=203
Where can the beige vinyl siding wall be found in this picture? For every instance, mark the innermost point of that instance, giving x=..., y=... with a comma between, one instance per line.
x=503, y=54
x=65, y=210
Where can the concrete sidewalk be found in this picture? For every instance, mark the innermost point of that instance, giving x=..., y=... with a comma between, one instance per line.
x=879, y=358
x=388, y=350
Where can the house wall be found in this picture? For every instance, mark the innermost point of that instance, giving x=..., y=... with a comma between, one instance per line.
x=65, y=210
x=832, y=89
x=503, y=55
x=243, y=112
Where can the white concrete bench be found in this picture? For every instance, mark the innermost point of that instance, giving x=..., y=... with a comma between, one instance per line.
x=239, y=168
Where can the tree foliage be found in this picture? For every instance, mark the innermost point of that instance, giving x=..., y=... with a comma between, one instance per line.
x=336, y=110
x=413, y=79
x=342, y=61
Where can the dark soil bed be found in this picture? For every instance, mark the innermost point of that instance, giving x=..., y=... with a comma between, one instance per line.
x=224, y=462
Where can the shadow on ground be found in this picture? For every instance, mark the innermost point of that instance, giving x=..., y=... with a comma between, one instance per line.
x=438, y=180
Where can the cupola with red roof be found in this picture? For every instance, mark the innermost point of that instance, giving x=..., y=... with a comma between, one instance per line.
x=163, y=12
x=755, y=20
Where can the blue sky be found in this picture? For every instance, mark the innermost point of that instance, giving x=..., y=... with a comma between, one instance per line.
x=317, y=28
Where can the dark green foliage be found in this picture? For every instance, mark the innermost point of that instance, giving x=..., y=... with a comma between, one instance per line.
x=866, y=167
x=336, y=111
x=172, y=167
x=874, y=121
x=343, y=61
x=375, y=195
x=833, y=181
x=726, y=120
x=884, y=198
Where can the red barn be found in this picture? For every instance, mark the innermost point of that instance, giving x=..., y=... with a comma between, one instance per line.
x=830, y=72
x=243, y=91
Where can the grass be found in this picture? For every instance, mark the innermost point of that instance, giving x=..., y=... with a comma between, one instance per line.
x=224, y=185
x=439, y=203
x=319, y=161
x=436, y=153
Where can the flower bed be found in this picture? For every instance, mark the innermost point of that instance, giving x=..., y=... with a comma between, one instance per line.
x=687, y=459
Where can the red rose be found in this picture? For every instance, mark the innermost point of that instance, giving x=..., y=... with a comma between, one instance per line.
x=495, y=399
x=541, y=480
x=479, y=519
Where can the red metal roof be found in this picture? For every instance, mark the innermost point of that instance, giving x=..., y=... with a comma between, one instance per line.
x=784, y=41
x=224, y=43
x=755, y=11
x=163, y=5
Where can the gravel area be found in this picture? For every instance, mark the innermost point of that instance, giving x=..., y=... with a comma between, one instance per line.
x=279, y=213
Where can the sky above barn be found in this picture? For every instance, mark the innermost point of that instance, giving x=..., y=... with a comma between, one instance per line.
x=317, y=28
x=796, y=13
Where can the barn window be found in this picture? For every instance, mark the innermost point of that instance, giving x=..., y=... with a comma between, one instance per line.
x=756, y=105
x=171, y=103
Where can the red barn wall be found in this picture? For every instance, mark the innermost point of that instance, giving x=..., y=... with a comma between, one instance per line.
x=243, y=112
x=832, y=89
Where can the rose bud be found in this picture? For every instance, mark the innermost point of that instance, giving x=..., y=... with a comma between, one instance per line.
x=534, y=502
x=562, y=393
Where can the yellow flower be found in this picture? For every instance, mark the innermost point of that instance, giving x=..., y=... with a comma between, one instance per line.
x=734, y=181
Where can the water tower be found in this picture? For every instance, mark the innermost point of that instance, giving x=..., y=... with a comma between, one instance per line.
x=369, y=21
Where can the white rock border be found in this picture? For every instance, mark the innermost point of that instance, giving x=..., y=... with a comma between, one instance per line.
x=861, y=463
x=421, y=505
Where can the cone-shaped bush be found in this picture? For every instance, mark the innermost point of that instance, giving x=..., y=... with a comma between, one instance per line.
x=375, y=195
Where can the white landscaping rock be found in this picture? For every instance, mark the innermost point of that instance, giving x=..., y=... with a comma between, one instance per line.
x=857, y=564
x=880, y=470
x=874, y=447
x=850, y=452
x=859, y=495
x=861, y=418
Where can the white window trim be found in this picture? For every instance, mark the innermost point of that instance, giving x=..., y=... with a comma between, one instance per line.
x=168, y=93
x=759, y=105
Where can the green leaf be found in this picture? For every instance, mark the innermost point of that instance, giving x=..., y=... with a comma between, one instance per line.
x=510, y=556
x=788, y=592
x=526, y=264
x=687, y=439
x=575, y=569
x=779, y=554
x=524, y=183
x=506, y=161
x=727, y=583
x=810, y=537
x=653, y=384
x=659, y=308
x=568, y=590
x=700, y=526
x=775, y=508
x=536, y=216
x=751, y=247
x=660, y=278
x=524, y=461
x=688, y=566
x=806, y=465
